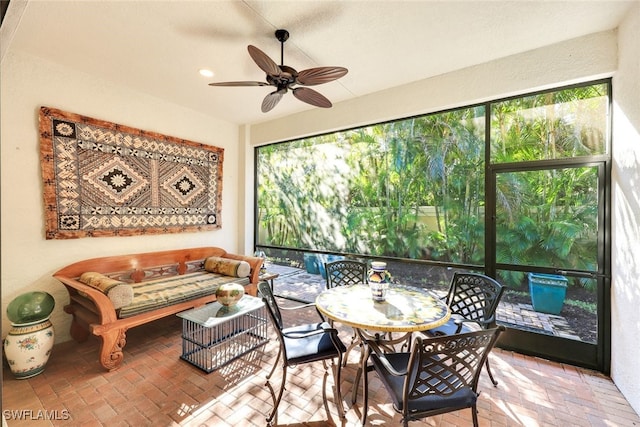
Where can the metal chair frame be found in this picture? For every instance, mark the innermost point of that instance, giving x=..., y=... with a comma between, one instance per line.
x=438, y=375
x=473, y=299
x=346, y=272
x=291, y=354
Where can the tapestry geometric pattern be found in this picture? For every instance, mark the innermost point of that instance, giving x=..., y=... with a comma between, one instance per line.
x=106, y=179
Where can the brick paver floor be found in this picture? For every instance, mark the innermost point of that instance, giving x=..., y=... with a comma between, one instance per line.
x=154, y=387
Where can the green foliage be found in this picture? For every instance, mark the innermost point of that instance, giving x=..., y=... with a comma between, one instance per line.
x=364, y=191
x=548, y=218
x=561, y=124
x=587, y=306
x=414, y=188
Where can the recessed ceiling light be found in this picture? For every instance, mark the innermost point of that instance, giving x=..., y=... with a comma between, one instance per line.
x=205, y=73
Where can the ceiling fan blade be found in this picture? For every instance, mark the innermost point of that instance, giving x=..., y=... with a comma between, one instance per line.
x=312, y=97
x=319, y=75
x=264, y=62
x=239, y=84
x=272, y=100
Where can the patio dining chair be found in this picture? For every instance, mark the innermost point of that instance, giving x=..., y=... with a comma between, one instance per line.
x=300, y=345
x=346, y=272
x=438, y=375
x=473, y=299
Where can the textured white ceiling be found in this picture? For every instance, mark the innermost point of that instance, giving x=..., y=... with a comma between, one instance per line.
x=157, y=47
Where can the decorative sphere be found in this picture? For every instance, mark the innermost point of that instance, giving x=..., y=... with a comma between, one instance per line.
x=229, y=294
x=30, y=307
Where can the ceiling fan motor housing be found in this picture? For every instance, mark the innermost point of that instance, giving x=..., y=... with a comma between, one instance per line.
x=287, y=77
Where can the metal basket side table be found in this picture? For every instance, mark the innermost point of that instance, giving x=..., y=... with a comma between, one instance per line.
x=214, y=335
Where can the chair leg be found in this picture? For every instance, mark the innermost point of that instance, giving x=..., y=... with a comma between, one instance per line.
x=276, y=401
x=337, y=393
x=365, y=396
x=324, y=391
x=365, y=384
x=275, y=363
x=474, y=414
x=495, y=383
x=337, y=369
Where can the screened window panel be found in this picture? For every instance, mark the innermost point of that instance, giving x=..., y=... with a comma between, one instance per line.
x=412, y=188
x=554, y=125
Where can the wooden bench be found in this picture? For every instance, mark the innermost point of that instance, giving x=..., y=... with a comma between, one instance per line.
x=94, y=312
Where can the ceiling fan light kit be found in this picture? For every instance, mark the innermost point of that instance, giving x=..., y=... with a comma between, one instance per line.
x=285, y=78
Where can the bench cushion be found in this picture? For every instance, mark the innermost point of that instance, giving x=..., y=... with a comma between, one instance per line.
x=229, y=267
x=158, y=293
x=120, y=293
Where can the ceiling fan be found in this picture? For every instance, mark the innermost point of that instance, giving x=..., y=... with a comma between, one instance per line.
x=283, y=78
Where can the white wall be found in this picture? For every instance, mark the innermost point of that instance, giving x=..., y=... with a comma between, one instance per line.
x=625, y=288
x=28, y=260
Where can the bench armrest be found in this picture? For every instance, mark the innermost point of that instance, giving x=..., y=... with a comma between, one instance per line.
x=102, y=303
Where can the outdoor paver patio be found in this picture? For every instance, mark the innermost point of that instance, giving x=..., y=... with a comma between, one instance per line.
x=299, y=285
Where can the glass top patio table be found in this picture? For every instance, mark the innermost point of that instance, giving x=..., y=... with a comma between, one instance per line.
x=405, y=309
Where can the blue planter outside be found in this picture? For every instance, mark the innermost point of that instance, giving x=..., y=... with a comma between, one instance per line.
x=311, y=263
x=548, y=292
x=322, y=259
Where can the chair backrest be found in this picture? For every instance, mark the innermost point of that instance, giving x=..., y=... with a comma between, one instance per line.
x=443, y=365
x=345, y=272
x=272, y=307
x=474, y=296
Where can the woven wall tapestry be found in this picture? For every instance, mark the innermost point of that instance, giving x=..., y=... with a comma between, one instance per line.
x=105, y=179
